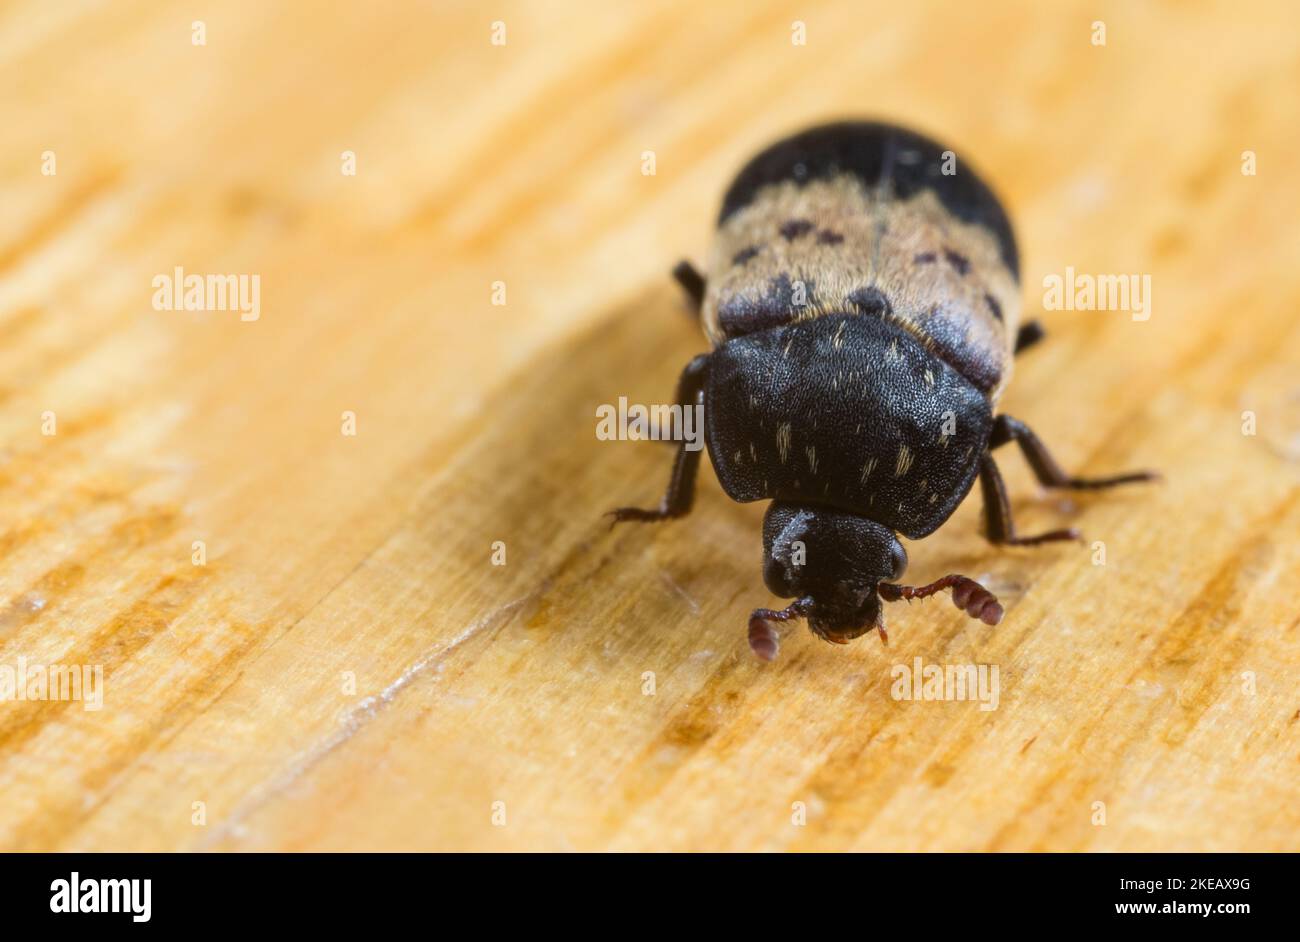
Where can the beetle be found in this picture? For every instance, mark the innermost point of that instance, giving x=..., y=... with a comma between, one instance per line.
x=862, y=303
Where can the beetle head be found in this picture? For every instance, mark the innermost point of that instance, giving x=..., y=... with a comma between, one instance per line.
x=832, y=562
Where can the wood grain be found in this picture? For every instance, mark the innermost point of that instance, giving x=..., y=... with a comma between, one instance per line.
x=1162, y=684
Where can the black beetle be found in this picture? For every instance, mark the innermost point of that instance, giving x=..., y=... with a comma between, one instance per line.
x=863, y=303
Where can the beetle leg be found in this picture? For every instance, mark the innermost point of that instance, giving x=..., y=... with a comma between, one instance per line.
x=1028, y=335
x=680, y=495
x=692, y=282
x=998, y=526
x=1048, y=472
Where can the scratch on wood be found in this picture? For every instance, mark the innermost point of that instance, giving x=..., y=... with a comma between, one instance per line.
x=364, y=712
x=672, y=584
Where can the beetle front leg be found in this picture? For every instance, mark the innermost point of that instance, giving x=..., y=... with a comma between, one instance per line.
x=679, y=497
x=998, y=526
x=1049, y=473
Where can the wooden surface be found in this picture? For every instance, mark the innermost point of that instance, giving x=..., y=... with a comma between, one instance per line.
x=1162, y=684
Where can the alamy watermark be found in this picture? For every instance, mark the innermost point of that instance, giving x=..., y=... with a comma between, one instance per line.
x=79, y=894
x=947, y=682
x=69, y=682
x=660, y=422
x=181, y=292
x=1078, y=292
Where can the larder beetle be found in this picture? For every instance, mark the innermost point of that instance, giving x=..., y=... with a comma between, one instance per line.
x=862, y=300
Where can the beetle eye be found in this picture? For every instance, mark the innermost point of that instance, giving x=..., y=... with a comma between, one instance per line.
x=899, y=559
x=774, y=575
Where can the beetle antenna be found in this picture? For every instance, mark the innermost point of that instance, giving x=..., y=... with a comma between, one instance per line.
x=763, y=639
x=967, y=594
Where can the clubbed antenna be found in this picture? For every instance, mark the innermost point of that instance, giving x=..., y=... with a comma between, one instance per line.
x=763, y=639
x=967, y=594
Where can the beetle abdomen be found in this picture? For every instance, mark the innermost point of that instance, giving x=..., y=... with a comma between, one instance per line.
x=874, y=220
x=848, y=411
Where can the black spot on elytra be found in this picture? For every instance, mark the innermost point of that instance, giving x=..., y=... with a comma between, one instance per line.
x=827, y=237
x=744, y=255
x=791, y=229
x=871, y=300
x=925, y=258
x=994, y=306
x=781, y=300
x=957, y=261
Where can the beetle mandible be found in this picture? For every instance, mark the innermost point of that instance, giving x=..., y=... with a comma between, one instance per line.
x=862, y=301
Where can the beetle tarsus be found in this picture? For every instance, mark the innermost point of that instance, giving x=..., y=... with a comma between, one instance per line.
x=1049, y=473
x=1051, y=536
x=640, y=514
x=998, y=525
